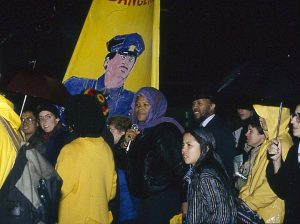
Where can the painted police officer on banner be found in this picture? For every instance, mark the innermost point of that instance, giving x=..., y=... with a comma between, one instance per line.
x=118, y=63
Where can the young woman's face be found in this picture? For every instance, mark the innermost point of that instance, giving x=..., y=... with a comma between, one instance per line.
x=190, y=149
x=48, y=121
x=141, y=108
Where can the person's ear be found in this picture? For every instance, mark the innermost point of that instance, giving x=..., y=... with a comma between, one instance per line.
x=212, y=106
x=105, y=63
x=57, y=120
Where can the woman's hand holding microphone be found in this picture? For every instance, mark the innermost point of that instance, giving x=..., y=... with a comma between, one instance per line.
x=130, y=135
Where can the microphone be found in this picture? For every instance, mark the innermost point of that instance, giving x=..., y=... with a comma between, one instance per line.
x=135, y=127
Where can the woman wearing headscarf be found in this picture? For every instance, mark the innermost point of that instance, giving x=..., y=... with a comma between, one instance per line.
x=210, y=196
x=257, y=192
x=154, y=163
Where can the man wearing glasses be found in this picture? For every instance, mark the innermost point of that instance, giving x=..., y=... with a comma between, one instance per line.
x=29, y=126
x=284, y=176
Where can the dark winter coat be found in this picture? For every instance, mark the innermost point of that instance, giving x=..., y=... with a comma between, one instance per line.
x=54, y=143
x=210, y=197
x=154, y=159
x=224, y=143
x=286, y=184
x=154, y=172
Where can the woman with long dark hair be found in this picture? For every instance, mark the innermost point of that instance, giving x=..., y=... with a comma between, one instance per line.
x=210, y=198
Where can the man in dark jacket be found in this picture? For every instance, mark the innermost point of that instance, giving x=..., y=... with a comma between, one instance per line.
x=284, y=177
x=204, y=107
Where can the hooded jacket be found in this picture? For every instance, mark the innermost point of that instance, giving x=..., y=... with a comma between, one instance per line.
x=8, y=151
x=257, y=192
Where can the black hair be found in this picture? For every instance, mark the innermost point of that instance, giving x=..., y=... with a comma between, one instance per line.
x=48, y=107
x=84, y=115
x=208, y=157
x=255, y=123
x=206, y=141
x=31, y=110
x=111, y=55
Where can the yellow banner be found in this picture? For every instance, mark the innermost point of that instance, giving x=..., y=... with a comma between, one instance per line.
x=107, y=19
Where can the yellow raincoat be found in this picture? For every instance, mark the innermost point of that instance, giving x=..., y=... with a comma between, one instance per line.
x=8, y=152
x=257, y=192
x=87, y=168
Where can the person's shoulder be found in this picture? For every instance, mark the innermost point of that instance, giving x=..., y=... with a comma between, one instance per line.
x=76, y=84
x=218, y=124
x=168, y=127
x=127, y=93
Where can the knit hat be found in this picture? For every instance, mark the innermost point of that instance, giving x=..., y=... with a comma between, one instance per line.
x=100, y=98
x=48, y=107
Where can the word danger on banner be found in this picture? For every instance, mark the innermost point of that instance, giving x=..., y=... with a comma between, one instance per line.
x=133, y=2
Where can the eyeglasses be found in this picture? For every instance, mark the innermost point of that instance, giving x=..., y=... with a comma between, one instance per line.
x=297, y=115
x=27, y=120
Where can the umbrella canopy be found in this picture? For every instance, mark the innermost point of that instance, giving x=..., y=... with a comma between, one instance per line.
x=39, y=85
x=262, y=83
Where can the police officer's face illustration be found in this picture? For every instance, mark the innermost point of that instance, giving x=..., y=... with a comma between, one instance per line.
x=117, y=70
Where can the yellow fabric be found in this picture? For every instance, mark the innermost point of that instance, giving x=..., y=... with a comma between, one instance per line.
x=257, y=192
x=87, y=168
x=7, y=150
x=176, y=219
x=107, y=19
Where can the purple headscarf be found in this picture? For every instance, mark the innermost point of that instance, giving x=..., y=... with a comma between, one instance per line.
x=157, y=111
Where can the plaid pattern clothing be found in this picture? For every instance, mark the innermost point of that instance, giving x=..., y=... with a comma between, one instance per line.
x=209, y=200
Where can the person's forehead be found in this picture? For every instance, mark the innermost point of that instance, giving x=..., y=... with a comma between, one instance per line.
x=141, y=98
x=243, y=109
x=125, y=55
x=27, y=114
x=45, y=112
x=252, y=127
x=202, y=100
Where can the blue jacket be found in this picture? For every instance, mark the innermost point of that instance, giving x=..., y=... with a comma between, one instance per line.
x=119, y=99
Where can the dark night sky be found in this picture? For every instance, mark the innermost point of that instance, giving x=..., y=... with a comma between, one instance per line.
x=201, y=41
x=207, y=41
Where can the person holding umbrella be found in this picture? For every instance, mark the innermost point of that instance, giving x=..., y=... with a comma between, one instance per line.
x=284, y=176
x=257, y=192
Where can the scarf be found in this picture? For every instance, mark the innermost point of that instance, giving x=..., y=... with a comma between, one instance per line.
x=157, y=111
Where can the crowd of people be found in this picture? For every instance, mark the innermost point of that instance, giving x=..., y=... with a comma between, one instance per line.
x=136, y=165
x=155, y=170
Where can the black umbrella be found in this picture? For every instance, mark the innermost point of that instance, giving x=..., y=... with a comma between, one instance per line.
x=37, y=85
x=262, y=83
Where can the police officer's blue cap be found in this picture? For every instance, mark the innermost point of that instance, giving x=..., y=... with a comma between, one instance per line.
x=132, y=44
